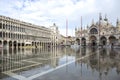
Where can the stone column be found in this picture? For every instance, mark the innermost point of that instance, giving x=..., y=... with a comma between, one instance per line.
x=16, y=46
x=40, y=45
x=12, y=46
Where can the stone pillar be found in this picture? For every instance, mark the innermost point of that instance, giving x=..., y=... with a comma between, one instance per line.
x=21, y=46
x=40, y=45
x=8, y=45
x=43, y=45
x=16, y=46
x=12, y=46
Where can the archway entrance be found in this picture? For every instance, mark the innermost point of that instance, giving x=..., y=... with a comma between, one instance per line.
x=15, y=44
x=103, y=40
x=112, y=40
x=83, y=42
x=5, y=44
x=10, y=44
x=23, y=44
x=93, y=40
x=1, y=44
x=19, y=44
x=78, y=41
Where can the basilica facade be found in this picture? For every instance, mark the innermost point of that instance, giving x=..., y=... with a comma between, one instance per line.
x=99, y=33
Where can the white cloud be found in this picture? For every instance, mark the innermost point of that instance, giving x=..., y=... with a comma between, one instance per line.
x=46, y=12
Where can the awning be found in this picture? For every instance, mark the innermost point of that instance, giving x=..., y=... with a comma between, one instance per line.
x=28, y=43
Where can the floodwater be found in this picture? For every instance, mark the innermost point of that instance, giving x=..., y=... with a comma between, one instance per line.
x=61, y=63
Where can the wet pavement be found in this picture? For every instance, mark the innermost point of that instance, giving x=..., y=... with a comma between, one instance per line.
x=60, y=64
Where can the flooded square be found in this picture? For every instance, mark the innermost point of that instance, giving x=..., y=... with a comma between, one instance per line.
x=60, y=63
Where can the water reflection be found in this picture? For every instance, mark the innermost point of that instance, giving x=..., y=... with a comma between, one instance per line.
x=27, y=62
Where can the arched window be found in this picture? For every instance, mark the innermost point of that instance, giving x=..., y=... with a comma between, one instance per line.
x=93, y=31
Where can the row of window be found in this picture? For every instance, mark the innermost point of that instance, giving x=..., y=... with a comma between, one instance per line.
x=11, y=27
x=18, y=36
x=11, y=35
x=44, y=33
x=20, y=29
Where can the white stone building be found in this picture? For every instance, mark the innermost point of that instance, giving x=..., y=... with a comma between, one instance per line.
x=15, y=34
x=99, y=33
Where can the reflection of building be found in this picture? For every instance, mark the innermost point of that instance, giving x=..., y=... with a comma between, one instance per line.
x=104, y=62
x=99, y=33
x=18, y=33
x=28, y=58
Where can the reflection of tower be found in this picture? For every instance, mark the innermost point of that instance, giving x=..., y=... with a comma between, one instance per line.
x=100, y=73
x=81, y=65
x=66, y=58
x=81, y=27
x=54, y=55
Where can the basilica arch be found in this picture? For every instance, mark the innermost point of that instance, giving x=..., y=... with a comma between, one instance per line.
x=93, y=31
x=78, y=41
x=112, y=40
x=93, y=40
x=103, y=40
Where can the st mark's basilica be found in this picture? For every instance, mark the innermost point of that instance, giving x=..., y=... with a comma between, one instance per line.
x=101, y=33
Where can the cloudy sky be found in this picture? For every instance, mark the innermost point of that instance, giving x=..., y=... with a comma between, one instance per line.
x=47, y=12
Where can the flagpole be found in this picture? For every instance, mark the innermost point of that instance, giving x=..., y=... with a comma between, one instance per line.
x=66, y=27
x=81, y=28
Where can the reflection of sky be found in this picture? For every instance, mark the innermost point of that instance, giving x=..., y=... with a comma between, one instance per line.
x=35, y=70
x=66, y=59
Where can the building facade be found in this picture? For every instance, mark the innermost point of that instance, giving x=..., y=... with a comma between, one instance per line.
x=99, y=33
x=15, y=33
